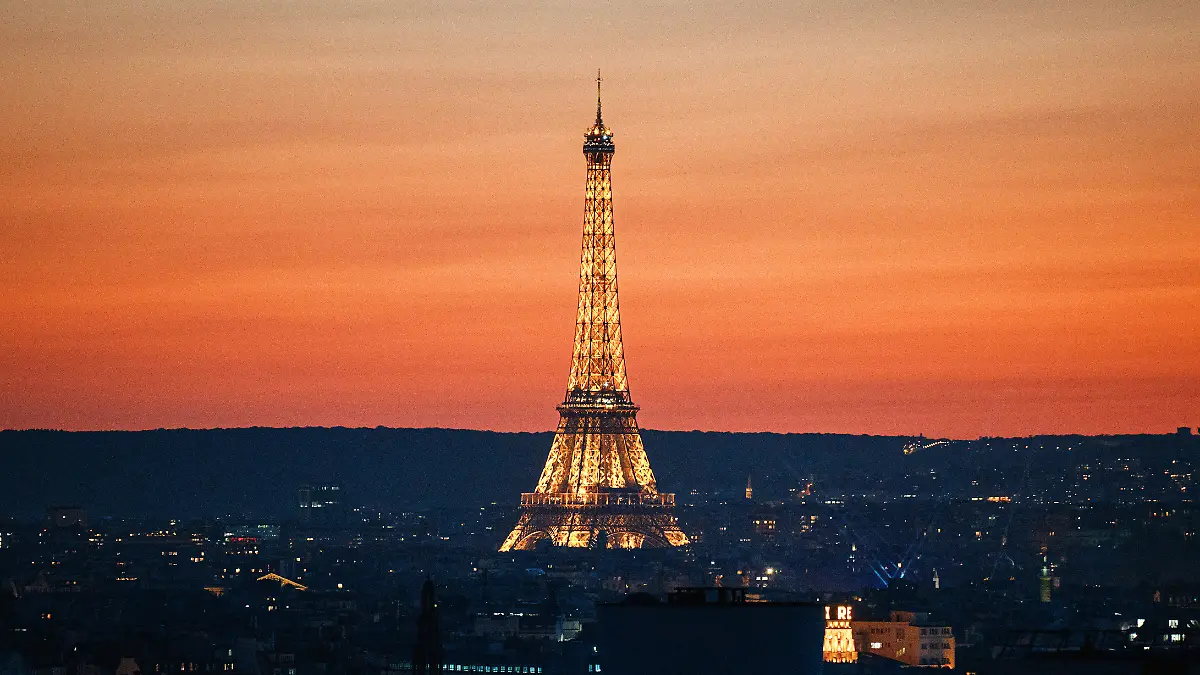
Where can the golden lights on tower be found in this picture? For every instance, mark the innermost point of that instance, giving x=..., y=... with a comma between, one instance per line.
x=597, y=487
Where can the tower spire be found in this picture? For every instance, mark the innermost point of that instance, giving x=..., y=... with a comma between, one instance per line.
x=599, y=120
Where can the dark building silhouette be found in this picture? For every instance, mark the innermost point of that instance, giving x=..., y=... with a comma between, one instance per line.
x=709, y=630
x=322, y=505
x=427, y=652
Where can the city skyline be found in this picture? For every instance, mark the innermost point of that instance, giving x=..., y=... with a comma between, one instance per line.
x=867, y=219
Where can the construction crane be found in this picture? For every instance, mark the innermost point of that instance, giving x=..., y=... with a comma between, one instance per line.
x=1002, y=553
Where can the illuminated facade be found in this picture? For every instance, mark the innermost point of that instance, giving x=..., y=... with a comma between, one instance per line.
x=906, y=640
x=839, y=637
x=597, y=488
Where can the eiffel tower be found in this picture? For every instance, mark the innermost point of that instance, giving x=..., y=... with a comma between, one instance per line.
x=597, y=489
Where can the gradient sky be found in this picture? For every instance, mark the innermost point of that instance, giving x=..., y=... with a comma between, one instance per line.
x=939, y=217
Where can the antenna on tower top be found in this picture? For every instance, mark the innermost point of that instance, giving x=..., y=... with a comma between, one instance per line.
x=598, y=96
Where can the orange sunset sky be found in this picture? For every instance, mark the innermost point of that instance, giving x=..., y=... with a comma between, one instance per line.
x=940, y=217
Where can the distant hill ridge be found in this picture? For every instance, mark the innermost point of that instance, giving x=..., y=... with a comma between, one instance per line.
x=257, y=470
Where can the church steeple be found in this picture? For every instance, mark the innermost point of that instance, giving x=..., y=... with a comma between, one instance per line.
x=427, y=651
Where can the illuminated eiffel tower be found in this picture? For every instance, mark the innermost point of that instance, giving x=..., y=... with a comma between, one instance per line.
x=597, y=488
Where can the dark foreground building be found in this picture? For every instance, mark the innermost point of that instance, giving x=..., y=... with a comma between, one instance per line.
x=712, y=631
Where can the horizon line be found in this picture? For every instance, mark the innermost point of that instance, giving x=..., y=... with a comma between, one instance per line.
x=1174, y=432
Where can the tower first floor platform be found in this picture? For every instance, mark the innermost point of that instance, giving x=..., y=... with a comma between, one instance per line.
x=594, y=520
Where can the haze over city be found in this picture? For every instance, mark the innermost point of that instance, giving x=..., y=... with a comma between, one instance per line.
x=862, y=217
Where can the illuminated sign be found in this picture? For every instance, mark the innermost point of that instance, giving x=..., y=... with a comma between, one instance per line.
x=838, y=646
x=842, y=613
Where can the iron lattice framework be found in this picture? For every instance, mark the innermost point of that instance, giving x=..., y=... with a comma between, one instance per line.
x=597, y=488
